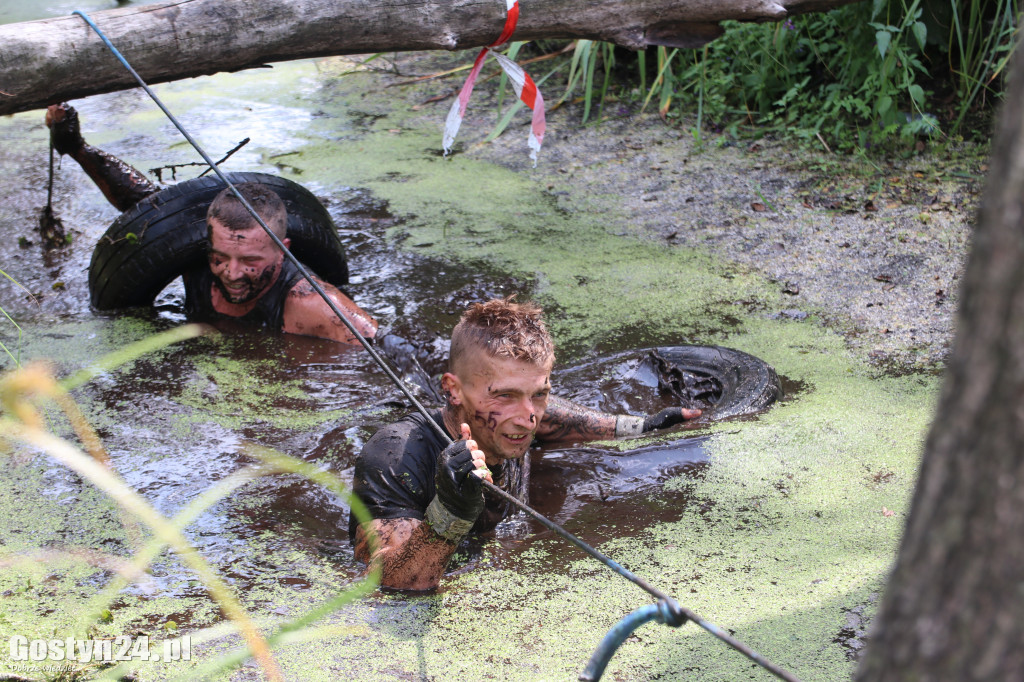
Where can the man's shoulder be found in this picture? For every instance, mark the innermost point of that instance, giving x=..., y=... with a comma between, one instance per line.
x=412, y=430
x=303, y=309
x=394, y=472
x=301, y=289
x=303, y=302
x=298, y=285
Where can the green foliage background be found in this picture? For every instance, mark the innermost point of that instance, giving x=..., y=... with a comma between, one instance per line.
x=866, y=75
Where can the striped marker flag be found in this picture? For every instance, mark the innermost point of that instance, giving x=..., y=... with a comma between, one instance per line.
x=526, y=90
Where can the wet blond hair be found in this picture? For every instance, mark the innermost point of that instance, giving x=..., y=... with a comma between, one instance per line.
x=230, y=212
x=502, y=328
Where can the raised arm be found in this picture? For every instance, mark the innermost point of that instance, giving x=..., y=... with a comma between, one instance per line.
x=567, y=422
x=413, y=553
x=122, y=185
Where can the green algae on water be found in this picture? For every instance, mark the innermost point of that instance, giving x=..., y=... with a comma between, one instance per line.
x=785, y=529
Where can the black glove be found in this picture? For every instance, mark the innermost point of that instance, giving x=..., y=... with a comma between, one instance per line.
x=670, y=416
x=459, y=499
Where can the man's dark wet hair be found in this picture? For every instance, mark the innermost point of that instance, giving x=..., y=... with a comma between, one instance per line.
x=504, y=329
x=230, y=212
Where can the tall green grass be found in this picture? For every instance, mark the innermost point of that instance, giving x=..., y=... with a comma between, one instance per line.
x=866, y=74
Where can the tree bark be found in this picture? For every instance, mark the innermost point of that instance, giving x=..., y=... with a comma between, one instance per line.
x=48, y=61
x=954, y=605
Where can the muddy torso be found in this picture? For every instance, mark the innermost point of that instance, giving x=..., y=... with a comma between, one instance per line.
x=394, y=474
x=269, y=309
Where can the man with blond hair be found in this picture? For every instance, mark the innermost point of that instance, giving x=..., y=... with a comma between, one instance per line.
x=425, y=495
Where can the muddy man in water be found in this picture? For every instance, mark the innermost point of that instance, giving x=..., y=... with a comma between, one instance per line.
x=248, y=277
x=424, y=495
x=497, y=386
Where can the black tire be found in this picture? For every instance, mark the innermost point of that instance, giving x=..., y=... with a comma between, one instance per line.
x=749, y=385
x=165, y=235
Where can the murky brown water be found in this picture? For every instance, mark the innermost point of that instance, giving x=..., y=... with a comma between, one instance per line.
x=176, y=423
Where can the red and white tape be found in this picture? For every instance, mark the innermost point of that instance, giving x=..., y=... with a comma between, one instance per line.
x=526, y=89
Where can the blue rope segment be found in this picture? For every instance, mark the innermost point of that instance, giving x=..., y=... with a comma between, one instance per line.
x=665, y=611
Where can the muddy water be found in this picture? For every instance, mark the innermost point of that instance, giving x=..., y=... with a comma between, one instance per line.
x=314, y=400
x=180, y=420
x=789, y=527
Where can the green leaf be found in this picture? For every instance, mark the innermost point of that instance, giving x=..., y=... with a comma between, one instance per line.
x=876, y=7
x=641, y=62
x=588, y=84
x=664, y=73
x=917, y=94
x=580, y=54
x=920, y=32
x=882, y=40
x=884, y=104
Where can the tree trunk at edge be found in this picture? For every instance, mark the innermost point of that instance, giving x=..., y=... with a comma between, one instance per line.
x=954, y=605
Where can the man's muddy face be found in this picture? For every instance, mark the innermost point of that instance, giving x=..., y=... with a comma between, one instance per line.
x=244, y=263
x=502, y=400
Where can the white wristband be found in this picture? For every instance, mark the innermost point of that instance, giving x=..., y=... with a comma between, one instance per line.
x=447, y=525
x=628, y=426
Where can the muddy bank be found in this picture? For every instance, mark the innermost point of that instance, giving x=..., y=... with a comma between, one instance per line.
x=871, y=247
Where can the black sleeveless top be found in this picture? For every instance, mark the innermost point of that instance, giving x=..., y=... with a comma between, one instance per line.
x=269, y=310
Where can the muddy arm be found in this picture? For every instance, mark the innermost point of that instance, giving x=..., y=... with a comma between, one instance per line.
x=568, y=422
x=122, y=185
x=306, y=313
x=410, y=554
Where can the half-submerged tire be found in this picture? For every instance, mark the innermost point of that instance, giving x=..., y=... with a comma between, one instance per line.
x=747, y=384
x=165, y=235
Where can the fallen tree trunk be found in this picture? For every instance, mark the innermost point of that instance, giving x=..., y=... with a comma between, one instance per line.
x=48, y=61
